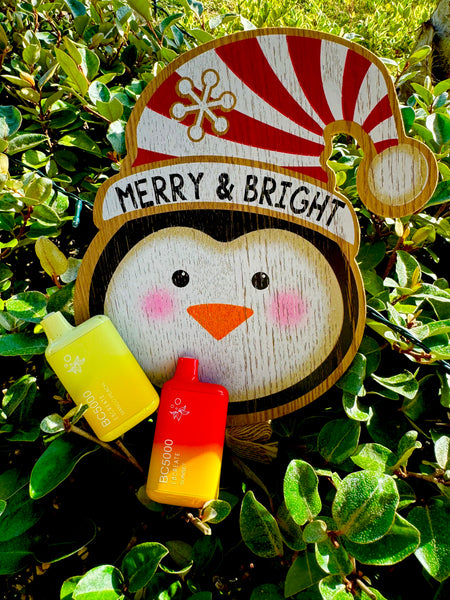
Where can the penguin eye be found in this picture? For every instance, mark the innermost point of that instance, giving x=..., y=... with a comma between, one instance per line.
x=260, y=280
x=180, y=278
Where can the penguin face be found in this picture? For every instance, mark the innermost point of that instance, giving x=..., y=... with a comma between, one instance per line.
x=261, y=311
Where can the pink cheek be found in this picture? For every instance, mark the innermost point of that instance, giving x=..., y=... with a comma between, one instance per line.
x=287, y=309
x=158, y=305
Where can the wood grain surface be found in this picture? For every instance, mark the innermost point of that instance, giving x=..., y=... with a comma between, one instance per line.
x=223, y=237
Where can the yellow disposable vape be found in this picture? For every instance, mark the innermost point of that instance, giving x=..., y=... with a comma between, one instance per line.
x=189, y=436
x=97, y=368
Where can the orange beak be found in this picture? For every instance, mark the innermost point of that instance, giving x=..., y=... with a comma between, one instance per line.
x=219, y=319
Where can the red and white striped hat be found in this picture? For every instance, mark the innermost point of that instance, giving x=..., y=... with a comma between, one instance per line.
x=276, y=97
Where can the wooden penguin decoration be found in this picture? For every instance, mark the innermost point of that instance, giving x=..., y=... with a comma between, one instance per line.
x=223, y=237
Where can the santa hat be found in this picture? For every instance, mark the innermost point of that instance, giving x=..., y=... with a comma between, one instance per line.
x=271, y=99
x=276, y=97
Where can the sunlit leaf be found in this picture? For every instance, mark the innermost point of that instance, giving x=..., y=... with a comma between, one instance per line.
x=434, y=549
x=259, y=529
x=301, y=493
x=364, y=506
x=50, y=256
x=100, y=583
x=400, y=541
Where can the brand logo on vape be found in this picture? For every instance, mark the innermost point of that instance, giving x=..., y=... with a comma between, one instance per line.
x=73, y=366
x=179, y=411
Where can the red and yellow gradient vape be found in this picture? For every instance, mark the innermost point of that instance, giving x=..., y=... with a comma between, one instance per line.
x=189, y=436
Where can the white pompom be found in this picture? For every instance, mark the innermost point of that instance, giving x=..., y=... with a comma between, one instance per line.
x=398, y=175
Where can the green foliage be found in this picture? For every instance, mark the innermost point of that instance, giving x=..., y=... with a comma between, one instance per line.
x=359, y=492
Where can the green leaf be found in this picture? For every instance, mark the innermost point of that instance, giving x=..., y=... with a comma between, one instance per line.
x=15, y=554
x=405, y=268
x=439, y=124
x=408, y=116
x=70, y=274
x=35, y=158
x=333, y=558
x=300, y=489
x=39, y=189
x=338, y=440
x=354, y=409
x=169, y=20
x=112, y=110
x=400, y=541
x=423, y=93
x=180, y=552
x=371, y=254
x=62, y=298
x=57, y=463
x=215, y=511
x=21, y=391
x=45, y=214
x=140, y=564
x=404, y=384
x=315, y=531
x=432, y=329
x=201, y=35
x=116, y=136
x=353, y=379
x=414, y=407
x=374, y=595
x=5, y=273
x=371, y=350
x=303, y=573
x=441, y=87
x=259, y=530
x=11, y=117
x=434, y=549
x=364, y=506
x=24, y=141
x=291, y=532
x=374, y=457
x=334, y=588
x=80, y=139
x=77, y=8
x=163, y=587
x=100, y=583
x=68, y=587
x=22, y=344
x=372, y=282
x=441, y=449
x=28, y=306
x=71, y=69
x=90, y=62
x=31, y=54
x=445, y=389
x=52, y=424
x=99, y=92
x=167, y=54
x=406, y=447
x=142, y=7
x=20, y=514
x=419, y=55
